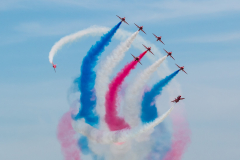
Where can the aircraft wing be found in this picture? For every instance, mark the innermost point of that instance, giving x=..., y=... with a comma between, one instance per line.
x=162, y=42
x=155, y=35
x=144, y=46
x=144, y=32
x=172, y=57
x=182, y=98
x=137, y=25
x=165, y=50
x=118, y=17
x=178, y=65
x=139, y=62
x=125, y=22
x=184, y=71
x=133, y=56
x=151, y=52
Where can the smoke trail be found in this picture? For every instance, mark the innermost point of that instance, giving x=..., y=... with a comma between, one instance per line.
x=72, y=37
x=150, y=115
x=134, y=92
x=104, y=72
x=106, y=137
x=114, y=122
x=66, y=136
x=148, y=103
x=161, y=139
x=83, y=145
x=181, y=137
x=87, y=78
x=120, y=35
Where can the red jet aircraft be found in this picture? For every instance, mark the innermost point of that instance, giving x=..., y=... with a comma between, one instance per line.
x=181, y=68
x=54, y=66
x=140, y=28
x=123, y=19
x=169, y=53
x=148, y=49
x=159, y=38
x=136, y=59
x=176, y=100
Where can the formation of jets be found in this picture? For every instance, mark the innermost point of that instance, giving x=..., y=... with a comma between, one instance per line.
x=140, y=28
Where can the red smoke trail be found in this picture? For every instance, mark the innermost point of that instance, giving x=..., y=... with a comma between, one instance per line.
x=181, y=136
x=66, y=136
x=114, y=122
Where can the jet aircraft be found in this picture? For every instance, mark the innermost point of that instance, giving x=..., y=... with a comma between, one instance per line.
x=123, y=19
x=54, y=66
x=148, y=49
x=181, y=68
x=159, y=38
x=137, y=59
x=140, y=28
x=176, y=100
x=169, y=53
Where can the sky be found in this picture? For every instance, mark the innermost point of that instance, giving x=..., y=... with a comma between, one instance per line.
x=204, y=36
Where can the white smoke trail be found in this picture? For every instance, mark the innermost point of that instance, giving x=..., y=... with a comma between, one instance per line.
x=132, y=106
x=72, y=37
x=106, y=68
x=120, y=35
x=108, y=137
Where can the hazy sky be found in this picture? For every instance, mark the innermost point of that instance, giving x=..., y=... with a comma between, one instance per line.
x=203, y=35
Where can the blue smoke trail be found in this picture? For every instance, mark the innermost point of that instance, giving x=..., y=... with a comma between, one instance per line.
x=149, y=110
x=83, y=145
x=86, y=81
